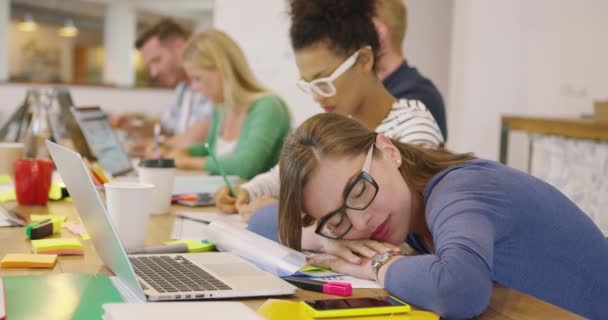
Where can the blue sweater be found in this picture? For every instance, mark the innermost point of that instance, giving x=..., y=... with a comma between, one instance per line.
x=493, y=223
x=407, y=83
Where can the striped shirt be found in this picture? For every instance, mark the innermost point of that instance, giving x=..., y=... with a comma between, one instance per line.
x=408, y=121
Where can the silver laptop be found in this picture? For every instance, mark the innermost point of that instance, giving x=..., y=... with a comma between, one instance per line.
x=101, y=140
x=159, y=277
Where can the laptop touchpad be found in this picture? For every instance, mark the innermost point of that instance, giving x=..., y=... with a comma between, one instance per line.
x=234, y=270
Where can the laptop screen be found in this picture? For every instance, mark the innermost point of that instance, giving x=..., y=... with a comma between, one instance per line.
x=102, y=140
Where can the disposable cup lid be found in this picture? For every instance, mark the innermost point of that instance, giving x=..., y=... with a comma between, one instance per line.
x=157, y=163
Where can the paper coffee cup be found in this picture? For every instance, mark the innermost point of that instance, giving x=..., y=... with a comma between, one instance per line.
x=128, y=204
x=9, y=153
x=160, y=173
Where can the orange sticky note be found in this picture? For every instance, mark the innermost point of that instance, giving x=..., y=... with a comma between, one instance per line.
x=26, y=260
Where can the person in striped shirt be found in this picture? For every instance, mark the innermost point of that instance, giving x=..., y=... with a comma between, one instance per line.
x=336, y=48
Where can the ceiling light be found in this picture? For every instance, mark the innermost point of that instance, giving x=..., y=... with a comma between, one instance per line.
x=68, y=30
x=28, y=24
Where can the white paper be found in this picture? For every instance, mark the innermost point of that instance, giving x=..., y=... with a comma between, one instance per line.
x=9, y=220
x=201, y=183
x=264, y=253
x=193, y=230
x=180, y=310
x=355, y=282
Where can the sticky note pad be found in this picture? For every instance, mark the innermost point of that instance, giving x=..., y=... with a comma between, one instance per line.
x=70, y=246
x=26, y=260
x=8, y=195
x=42, y=217
x=194, y=245
x=5, y=178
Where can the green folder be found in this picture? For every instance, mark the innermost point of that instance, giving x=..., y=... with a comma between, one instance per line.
x=58, y=296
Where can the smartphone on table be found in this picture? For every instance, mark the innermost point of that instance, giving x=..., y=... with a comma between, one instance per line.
x=355, y=307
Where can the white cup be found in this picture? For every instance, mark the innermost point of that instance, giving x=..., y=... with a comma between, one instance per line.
x=129, y=205
x=9, y=152
x=160, y=173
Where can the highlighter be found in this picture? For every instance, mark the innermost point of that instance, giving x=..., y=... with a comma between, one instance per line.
x=342, y=289
x=42, y=229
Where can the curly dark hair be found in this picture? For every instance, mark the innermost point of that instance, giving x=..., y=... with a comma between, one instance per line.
x=345, y=25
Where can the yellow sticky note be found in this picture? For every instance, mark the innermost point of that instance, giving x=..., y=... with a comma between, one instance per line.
x=55, y=191
x=9, y=195
x=5, y=178
x=26, y=260
x=42, y=217
x=42, y=245
x=194, y=245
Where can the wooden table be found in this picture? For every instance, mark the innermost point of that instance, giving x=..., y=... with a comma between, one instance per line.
x=506, y=303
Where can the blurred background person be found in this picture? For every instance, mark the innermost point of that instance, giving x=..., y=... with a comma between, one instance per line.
x=249, y=123
x=400, y=79
x=185, y=122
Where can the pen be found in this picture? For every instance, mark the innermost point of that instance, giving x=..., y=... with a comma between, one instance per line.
x=342, y=289
x=192, y=219
x=219, y=165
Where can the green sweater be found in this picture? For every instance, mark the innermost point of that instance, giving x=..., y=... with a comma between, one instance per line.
x=260, y=140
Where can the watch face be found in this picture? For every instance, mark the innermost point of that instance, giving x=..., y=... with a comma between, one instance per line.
x=380, y=258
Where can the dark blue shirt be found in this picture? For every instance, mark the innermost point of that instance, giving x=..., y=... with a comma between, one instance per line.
x=493, y=223
x=407, y=83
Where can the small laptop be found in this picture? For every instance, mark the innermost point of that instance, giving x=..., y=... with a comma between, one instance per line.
x=101, y=140
x=159, y=277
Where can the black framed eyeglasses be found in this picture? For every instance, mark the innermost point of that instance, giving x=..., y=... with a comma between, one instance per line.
x=358, y=196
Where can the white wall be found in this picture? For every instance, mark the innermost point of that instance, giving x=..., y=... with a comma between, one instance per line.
x=428, y=40
x=541, y=57
x=261, y=30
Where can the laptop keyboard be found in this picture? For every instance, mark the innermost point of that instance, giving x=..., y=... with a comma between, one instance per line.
x=175, y=274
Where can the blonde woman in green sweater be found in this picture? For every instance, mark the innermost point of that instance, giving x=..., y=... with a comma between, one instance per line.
x=249, y=122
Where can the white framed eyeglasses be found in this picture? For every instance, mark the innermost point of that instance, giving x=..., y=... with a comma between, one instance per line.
x=325, y=86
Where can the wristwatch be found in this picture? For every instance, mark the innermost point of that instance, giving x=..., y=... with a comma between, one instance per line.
x=381, y=259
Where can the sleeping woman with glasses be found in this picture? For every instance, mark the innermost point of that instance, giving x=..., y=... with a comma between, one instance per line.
x=472, y=221
x=336, y=49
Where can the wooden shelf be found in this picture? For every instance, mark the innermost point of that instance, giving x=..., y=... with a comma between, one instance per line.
x=571, y=128
x=588, y=129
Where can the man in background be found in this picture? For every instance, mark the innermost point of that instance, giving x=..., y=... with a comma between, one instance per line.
x=186, y=121
x=400, y=79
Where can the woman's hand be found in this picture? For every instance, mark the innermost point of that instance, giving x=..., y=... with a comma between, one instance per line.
x=184, y=161
x=355, y=251
x=362, y=270
x=246, y=210
x=229, y=204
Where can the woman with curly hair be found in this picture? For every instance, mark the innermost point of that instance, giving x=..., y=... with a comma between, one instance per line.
x=336, y=50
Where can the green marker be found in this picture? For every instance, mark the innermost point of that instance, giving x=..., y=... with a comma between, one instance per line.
x=219, y=165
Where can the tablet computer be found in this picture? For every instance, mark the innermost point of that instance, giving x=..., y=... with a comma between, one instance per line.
x=102, y=140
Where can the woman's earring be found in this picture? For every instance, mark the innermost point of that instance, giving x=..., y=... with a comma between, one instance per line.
x=399, y=163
